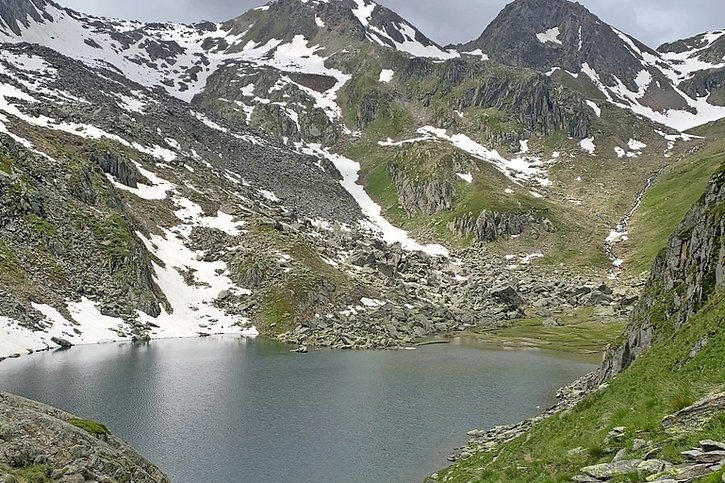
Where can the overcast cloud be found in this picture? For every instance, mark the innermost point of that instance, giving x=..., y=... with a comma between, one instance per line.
x=449, y=21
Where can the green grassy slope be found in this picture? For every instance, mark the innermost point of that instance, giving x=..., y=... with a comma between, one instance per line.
x=669, y=377
x=659, y=383
x=670, y=198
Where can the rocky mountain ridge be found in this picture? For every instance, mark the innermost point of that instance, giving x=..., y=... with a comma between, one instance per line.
x=569, y=43
x=707, y=53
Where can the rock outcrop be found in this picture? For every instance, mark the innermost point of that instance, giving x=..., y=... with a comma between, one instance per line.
x=65, y=448
x=426, y=197
x=684, y=276
x=492, y=225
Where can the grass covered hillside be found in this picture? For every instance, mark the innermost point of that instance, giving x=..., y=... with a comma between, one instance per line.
x=679, y=186
x=661, y=382
x=646, y=411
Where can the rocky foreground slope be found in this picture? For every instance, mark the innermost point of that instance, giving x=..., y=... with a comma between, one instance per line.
x=39, y=443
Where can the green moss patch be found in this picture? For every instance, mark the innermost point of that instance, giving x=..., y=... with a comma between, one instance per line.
x=114, y=236
x=90, y=426
x=580, y=333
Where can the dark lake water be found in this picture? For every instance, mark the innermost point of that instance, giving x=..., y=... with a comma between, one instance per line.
x=230, y=410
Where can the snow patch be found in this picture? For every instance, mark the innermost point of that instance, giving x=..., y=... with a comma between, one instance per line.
x=635, y=145
x=386, y=76
x=595, y=108
x=467, y=177
x=350, y=171
x=588, y=145
x=551, y=35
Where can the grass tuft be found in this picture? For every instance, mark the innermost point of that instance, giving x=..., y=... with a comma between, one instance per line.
x=90, y=426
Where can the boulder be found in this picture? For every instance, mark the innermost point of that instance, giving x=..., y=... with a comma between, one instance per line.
x=691, y=473
x=651, y=467
x=508, y=296
x=696, y=416
x=607, y=471
x=711, y=457
x=708, y=445
x=61, y=342
x=552, y=322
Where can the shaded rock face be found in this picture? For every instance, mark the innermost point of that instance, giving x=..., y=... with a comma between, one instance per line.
x=422, y=197
x=684, y=277
x=116, y=166
x=541, y=107
x=35, y=434
x=707, y=83
x=545, y=34
x=16, y=12
x=491, y=226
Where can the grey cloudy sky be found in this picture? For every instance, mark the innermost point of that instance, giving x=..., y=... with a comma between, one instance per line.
x=449, y=21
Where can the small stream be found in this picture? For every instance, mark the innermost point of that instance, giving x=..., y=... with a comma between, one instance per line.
x=620, y=233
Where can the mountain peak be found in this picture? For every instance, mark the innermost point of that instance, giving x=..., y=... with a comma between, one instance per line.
x=336, y=23
x=565, y=40
x=544, y=34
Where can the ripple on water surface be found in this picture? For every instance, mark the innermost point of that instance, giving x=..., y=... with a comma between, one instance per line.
x=232, y=410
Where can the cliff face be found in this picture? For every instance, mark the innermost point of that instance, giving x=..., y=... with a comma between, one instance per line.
x=53, y=443
x=684, y=277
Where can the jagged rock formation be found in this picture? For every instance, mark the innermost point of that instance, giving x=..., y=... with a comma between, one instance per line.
x=426, y=197
x=539, y=105
x=491, y=225
x=685, y=275
x=33, y=435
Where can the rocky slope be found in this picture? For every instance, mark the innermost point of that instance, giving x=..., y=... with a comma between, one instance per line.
x=316, y=75
x=40, y=443
x=210, y=178
x=148, y=187
x=173, y=224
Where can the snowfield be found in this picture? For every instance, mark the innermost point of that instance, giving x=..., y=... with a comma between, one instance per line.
x=350, y=172
x=520, y=169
